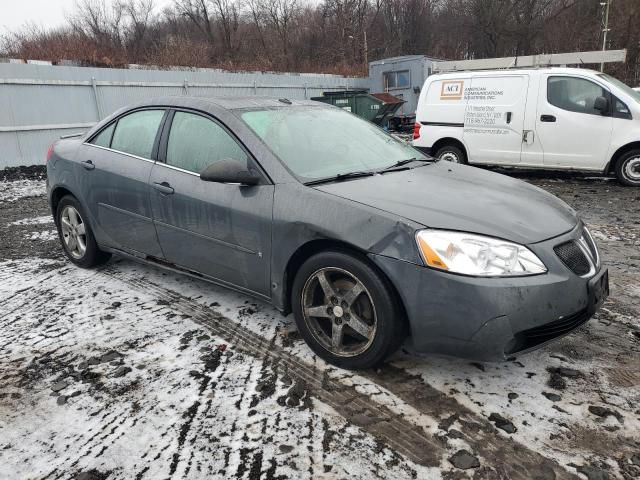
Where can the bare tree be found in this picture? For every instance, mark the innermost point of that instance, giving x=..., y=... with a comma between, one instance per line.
x=198, y=12
x=327, y=35
x=140, y=14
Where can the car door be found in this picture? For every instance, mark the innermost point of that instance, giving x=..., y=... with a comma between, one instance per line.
x=220, y=230
x=572, y=133
x=494, y=118
x=117, y=163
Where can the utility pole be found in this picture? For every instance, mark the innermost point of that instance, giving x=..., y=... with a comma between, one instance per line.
x=605, y=30
x=366, y=50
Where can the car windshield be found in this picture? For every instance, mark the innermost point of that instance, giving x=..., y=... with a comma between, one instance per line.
x=318, y=142
x=622, y=86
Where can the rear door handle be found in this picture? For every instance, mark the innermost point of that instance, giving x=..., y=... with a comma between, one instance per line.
x=547, y=118
x=164, y=188
x=88, y=165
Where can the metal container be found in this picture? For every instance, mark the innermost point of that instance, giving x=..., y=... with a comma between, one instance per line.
x=376, y=107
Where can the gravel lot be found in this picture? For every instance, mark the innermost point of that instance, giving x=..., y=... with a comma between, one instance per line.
x=132, y=372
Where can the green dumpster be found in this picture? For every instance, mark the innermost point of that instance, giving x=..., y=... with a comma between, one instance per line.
x=375, y=107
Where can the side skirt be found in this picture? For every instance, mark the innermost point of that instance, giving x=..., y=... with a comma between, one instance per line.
x=184, y=271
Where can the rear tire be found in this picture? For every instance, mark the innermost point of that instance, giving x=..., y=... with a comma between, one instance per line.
x=76, y=236
x=628, y=169
x=346, y=311
x=451, y=153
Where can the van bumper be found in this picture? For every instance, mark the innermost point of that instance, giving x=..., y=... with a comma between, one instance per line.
x=492, y=319
x=425, y=150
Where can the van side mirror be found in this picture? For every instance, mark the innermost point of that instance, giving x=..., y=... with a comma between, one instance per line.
x=601, y=104
x=229, y=171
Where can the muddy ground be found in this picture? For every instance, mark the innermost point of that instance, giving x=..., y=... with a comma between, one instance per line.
x=132, y=372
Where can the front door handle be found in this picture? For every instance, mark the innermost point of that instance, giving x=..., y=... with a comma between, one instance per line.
x=164, y=188
x=88, y=165
x=547, y=118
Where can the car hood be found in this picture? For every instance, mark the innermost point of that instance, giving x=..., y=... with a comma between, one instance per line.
x=458, y=197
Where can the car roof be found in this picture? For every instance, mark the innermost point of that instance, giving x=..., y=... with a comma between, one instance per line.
x=227, y=103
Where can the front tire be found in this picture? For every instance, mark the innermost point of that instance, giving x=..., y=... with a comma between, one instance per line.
x=452, y=154
x=628, y=169
x=346, y=311
x=76, y=236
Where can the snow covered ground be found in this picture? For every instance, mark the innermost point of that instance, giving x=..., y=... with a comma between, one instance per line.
x=132, y=372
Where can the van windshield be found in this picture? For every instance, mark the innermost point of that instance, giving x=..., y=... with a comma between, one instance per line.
x=622, y=86
x=319, y=142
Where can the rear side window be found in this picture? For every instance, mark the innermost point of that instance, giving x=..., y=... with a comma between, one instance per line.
x=135, y=133
x=103, y=139
x=195, y=142
x=574, y=94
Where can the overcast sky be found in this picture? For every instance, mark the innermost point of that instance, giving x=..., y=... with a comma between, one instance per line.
x=48, y=13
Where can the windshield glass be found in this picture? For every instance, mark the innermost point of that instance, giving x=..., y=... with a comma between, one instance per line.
x=316, y=142
x=622, y=86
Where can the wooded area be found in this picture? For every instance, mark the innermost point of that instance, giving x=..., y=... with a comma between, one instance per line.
x=332, y=36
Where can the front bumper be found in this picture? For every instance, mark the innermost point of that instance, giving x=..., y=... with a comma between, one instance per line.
x=495, y=318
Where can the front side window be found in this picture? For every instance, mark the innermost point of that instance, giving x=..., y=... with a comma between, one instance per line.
x=620, y=109
x=195, y=142
x=136, y=133
x=318, y=142
x=574, y=94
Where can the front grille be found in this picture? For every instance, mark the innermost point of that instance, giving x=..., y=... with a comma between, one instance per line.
x=532, y=337
x=588, y=240
x=573, y=257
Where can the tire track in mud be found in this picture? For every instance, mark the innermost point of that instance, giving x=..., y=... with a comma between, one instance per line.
x=515, y=461
x=510, y=458
x=378, y=420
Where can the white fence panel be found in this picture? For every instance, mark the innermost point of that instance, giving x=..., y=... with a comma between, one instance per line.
x=39, y=103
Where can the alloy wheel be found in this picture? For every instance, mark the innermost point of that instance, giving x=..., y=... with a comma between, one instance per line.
x=73, y=232
x=339, y=311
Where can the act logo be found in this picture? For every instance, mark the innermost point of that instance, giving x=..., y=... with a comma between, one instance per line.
x=452, y=90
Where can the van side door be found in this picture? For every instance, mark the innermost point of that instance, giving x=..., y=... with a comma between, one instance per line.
x=571, y=131
x=494, y=118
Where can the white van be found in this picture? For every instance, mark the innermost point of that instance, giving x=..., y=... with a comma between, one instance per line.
x=548, y=118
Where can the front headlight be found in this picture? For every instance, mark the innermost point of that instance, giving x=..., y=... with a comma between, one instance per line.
x=471, y=254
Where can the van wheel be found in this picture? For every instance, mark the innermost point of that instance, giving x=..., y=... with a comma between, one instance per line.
x=628, y=168
x=451, y=153
x=345, y=311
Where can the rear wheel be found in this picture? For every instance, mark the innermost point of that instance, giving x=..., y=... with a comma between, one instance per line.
x=76, y=235
x=451, y=153
x=628, y=168
x=345, y=311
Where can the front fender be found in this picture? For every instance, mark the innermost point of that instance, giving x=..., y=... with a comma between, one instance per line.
x=323, y=216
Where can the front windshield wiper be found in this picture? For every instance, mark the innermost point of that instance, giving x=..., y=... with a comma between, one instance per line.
x=341, y=176
x=402, y=163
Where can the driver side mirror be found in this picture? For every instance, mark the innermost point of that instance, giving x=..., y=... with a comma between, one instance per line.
x=601, y=104
x=229, y=171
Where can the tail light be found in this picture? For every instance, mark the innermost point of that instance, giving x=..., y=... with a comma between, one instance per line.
x=416, y=130
x=49, y=152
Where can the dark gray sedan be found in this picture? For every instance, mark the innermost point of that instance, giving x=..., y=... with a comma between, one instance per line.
x=324, y=215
